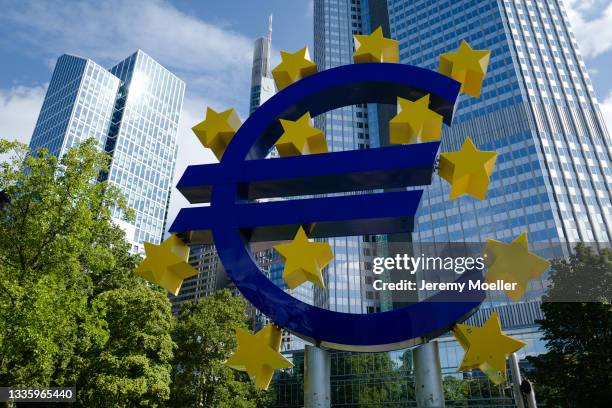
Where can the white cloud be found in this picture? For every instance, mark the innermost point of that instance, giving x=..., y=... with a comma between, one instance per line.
x=591, y=21
x=19, y=108
x=213, y=60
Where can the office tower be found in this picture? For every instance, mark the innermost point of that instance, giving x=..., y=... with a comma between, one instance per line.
x=262, y=83
x=381, y=379
x=347, y=128
x=205, y=260
x=132, y=110
x=262, y=88
x=79, y=104
x=538, y=110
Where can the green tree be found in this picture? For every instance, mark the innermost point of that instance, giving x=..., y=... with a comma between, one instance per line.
x=455, y=389
x=575, y=372
x=133, y=369
x=70, y=303
x=205, y=336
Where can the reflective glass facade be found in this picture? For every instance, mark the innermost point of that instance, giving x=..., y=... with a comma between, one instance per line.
x=133, y=111
x=262, y=83
x=144, y=152
x=347, y=128
x=384, y=380
x=78, y=105
x=539, y=112
x=552, y=179
x=205, y=260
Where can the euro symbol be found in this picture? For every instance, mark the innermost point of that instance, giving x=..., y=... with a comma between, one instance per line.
x=235, y=218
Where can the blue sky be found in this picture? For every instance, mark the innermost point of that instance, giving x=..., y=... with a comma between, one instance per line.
x=207, y=43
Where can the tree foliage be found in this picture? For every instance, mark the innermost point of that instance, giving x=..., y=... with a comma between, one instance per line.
x=575, y=372
x=205, y=336
x=375, y=378
x=455, y=389
x=71, y=309
x=133, y=368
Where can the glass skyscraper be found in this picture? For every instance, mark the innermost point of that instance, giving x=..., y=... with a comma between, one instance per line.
x=262, y=89
x=262, y=83
x=538, y=110
x=552, y=178
x=79, y=104
x=205, y=260
x=356, y=379
x=347, y=128
x=211, y=275
x=132, y=110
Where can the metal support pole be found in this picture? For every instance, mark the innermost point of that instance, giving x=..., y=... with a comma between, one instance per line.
x=531, y=400
x=428, y=376
x=529, y=393
x=516, y=381
x=317, y=370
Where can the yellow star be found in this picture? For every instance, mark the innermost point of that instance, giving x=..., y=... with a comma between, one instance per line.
x=166, y=264
x=467, y=66
x=375, y=48
x=217, y=130
x=304, y=260
x=300, y=137
x=513, y=263
x=258, y=355
x=293, y=67
x=415, y=122
x=468, y=171
x=486, y=348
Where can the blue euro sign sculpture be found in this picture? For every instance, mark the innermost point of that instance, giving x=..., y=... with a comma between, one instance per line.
x=234, y=218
